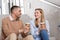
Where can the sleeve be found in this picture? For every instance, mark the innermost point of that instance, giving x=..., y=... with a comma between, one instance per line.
x=32, y=30
x=5, y=28
x=47, y=26
x=22, y=27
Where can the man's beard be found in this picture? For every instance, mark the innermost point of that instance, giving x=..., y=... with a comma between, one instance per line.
x=18, y=18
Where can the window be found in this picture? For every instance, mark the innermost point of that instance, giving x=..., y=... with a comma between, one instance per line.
x=0, y=11
x=7, y=4
x=19, y=3
x=22, y=6
x=0, y=6
x=5, y=9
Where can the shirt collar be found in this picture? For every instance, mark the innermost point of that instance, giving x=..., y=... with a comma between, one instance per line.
x=11, y=18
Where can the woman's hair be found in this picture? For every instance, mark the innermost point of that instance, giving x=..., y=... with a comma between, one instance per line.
x=42, y=17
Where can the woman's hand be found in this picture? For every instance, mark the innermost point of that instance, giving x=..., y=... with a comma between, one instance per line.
x=37, y=33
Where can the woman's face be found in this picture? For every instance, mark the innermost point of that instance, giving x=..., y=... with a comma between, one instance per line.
x=37, y=14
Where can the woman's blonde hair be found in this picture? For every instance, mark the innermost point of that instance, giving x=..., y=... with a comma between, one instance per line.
x=42, y=17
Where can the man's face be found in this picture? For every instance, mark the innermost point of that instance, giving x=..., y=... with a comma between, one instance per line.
x=17, y=12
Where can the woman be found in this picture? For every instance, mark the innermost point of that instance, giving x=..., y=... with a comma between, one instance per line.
x=38, y=27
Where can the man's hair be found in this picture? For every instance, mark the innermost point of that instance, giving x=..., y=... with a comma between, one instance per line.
x=13, y=7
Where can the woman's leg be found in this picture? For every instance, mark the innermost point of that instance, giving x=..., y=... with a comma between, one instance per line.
x=44, y=35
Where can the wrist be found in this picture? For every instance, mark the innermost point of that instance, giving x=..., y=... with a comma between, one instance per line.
x=37, y=33
x=20, y=31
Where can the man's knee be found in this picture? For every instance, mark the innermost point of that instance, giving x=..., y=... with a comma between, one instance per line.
x=30, y=37
x=13, y=36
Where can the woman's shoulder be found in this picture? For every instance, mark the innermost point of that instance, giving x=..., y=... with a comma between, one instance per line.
x=46, y=21
x=32, y=21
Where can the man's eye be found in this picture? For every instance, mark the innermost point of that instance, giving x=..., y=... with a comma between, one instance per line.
x=19, y=10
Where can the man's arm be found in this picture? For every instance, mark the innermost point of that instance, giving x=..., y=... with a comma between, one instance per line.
x=5, y=27
x=21, y=30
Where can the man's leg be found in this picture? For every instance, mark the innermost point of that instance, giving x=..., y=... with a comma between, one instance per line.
x=29, y=37
x=12, y=36
x=7, y=38
x=44, y=35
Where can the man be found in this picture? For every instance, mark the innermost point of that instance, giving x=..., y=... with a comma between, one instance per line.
x=12, y=26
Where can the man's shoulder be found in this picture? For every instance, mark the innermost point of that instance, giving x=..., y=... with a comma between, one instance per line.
x=20, y=21
x=5, y=18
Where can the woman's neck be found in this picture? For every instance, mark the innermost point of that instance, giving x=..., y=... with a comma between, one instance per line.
x=39, y=20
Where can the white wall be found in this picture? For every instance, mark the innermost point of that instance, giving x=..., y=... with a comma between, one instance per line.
x=58, y=33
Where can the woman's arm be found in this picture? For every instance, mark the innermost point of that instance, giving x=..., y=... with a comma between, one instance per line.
x=47, y=26
x=32, y=30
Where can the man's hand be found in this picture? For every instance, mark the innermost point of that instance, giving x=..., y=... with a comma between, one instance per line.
x=26, y=31
x=21, y=30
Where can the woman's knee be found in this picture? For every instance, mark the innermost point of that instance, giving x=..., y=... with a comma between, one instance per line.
x=44, y=35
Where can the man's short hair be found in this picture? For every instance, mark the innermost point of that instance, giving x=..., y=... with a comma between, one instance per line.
x=13, y=7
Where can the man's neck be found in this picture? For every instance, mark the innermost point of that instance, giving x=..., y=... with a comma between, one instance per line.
x=14, y=17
